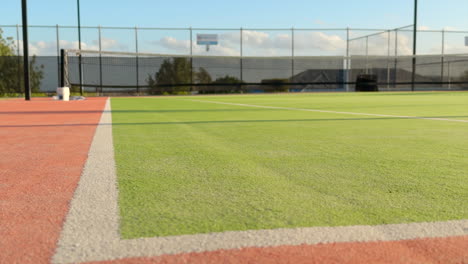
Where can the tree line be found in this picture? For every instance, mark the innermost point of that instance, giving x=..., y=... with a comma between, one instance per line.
x=176, y=76
x=11, y=69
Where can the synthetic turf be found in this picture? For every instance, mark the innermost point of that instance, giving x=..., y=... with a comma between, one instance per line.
x=188, y=167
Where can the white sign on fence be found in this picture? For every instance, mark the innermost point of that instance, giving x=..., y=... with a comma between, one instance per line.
x=207, y=39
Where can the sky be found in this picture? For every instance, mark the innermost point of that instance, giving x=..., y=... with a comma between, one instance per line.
x=434, y=14
x=251, y=14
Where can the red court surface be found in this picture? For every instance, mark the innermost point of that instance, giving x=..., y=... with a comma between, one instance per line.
x=44, y=145
x=453, y=250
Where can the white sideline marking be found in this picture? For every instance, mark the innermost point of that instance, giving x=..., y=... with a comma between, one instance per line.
x=91, y=229
x=334, y=112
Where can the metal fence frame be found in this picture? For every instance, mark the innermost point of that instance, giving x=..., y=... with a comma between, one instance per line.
x=346, y=31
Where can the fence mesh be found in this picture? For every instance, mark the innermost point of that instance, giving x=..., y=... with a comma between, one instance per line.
x=433, y=72
x=244, y=60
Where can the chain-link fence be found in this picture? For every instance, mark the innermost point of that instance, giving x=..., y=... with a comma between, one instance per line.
x=246, y=55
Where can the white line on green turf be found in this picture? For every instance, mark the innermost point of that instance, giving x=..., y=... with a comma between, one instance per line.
x=91, y=229
x=333, y=112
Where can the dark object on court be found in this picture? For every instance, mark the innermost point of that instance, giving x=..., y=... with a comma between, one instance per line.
x=367, y=83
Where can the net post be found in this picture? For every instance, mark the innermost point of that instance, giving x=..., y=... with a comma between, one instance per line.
x=62, y=68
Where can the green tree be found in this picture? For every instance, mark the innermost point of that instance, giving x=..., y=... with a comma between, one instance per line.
x=202, y=77
x=228, y=79
x=176, y=71
x=231, y=84
x=275, y=85
x=11, y=69
x=464, y=78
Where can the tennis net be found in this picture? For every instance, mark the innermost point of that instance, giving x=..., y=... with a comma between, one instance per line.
x=148, y=73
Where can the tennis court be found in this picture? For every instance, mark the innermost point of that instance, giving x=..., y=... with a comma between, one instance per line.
x=189, y=165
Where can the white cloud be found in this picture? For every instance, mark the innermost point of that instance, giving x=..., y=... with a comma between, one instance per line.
x=183, y=47
x=378, y=45
x=455, y=49
x=319, y=41
x=424, y=28
x=174, y=44
x=304, y=42
x=405, y=45
x=315, y=42
x=255, y=38
x=320, y=22
x=448, y=28
x=257, y=43
x=49, y=48
x=108, y=44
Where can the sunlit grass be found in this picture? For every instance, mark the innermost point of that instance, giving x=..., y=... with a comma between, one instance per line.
x=188, y=167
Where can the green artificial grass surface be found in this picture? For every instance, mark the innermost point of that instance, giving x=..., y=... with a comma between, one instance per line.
x=187, y=167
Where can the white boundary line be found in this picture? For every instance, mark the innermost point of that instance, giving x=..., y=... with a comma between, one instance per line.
x=91, y=229
x=334, y=112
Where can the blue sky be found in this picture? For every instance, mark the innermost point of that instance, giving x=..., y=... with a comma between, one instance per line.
x=434, y=14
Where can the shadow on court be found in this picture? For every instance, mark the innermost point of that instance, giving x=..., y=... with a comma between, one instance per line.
x=229, y=121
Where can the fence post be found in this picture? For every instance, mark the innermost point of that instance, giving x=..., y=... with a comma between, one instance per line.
x=396, y=58
x=137, y=62
x=449, y=77
x=17, y=40
x=241, y=60
x=415, y=44
x=100, y=61
x=19, y=58
x=292, y=52
x=367, y=55
x=348, y=60
x=26, y=69
x=442, y=59
x=58, y=53
x=80, y=63
x=191, y=59
x=388, y=59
